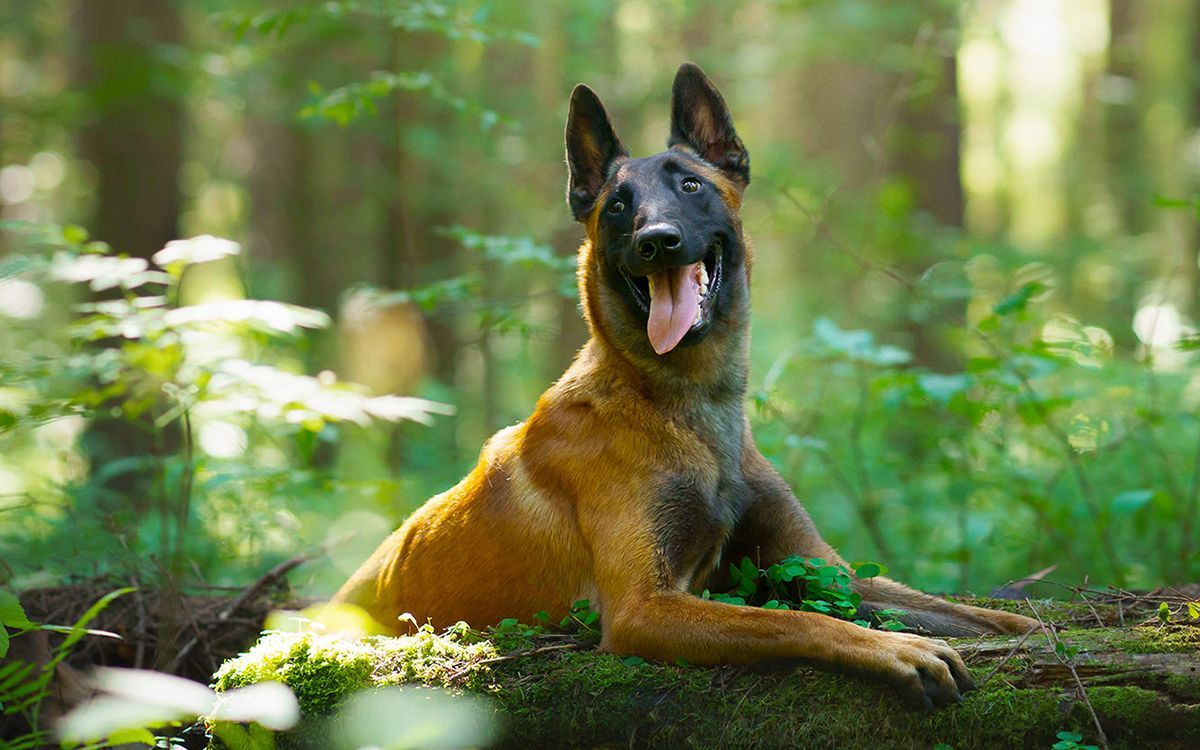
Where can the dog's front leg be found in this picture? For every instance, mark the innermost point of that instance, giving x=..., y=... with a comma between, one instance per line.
x=775, y=525
x=646, y=611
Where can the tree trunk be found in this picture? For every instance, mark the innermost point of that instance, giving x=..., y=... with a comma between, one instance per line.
x=926, y=160
x=134, y=138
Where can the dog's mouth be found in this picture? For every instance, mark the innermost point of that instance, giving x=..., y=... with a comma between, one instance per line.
x=680, y=300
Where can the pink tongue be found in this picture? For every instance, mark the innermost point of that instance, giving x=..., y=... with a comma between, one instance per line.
x=674, y=300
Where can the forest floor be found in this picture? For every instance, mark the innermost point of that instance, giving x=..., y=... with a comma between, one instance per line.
x=1115, y=665
x=1123, y=662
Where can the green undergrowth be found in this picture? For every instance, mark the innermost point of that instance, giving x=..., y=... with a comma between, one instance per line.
x=569, y=694
x=807, y=584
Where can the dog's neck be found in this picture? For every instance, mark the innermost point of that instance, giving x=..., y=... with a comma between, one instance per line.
x=714, y=373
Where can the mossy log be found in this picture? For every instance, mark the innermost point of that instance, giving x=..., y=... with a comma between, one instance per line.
x=1143, y=683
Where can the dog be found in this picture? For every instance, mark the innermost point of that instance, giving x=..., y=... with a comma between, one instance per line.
x=637, y=476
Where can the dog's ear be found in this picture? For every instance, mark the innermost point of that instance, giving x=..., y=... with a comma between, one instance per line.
x=701, y=121
x=592, y=147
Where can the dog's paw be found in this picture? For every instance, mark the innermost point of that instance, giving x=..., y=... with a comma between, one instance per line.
x=926, y=672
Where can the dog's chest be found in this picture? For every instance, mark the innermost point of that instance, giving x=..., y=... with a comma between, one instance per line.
x=697, y=506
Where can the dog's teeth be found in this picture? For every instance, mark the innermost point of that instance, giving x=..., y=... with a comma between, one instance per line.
x=703, y=288
x=703, y=277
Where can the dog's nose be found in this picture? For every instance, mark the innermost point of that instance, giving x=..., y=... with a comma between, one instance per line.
x=656, y=240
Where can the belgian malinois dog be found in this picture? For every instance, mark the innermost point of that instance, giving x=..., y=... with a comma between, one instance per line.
x=637, y=476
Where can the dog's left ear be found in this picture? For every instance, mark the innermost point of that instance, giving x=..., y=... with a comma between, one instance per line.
x=701, y=121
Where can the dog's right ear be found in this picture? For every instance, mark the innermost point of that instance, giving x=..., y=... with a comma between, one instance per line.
x=592, y=147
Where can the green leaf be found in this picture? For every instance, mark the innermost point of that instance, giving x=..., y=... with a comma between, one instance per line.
x=728, y=599
x=264, y=315
x=194, y=250
x=1131, y=500
x=633, y=661
x=748, y=581
x=1163, y=201
x=132, y=735
x=79, y=628
x=74, y=235
x=1164, y=613
x=857, y=345
x=1018, y=300
x=946, y=280
x=12, y=614
x=942, y=388
x=1193, y=610
x=868, y=569
x=977, y=365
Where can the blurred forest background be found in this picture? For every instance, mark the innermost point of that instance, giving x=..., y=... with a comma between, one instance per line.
x=975, y=279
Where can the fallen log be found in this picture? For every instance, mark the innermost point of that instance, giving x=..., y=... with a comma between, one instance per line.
x=1142, y=682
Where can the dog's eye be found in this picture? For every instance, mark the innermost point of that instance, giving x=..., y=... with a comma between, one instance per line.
x=690, y=185
x=616, y=207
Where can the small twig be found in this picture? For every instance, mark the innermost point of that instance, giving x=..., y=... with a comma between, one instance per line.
x=1052, y=637
x=862, y=260
x=1095, y=614
x=1007, y=657
x=270, y=577
x=514, y=655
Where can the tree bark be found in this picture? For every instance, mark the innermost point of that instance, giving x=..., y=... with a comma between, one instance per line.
x=134, y=138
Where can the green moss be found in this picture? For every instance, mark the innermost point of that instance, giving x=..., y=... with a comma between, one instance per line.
x=596, y=700
x=1186, y=687
x=1050, y=610
x=1132, y=713
x=322, y=670
x=590, y=699
x=1161, y=639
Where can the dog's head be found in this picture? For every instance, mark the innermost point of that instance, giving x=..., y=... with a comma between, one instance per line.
x=664, y=269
